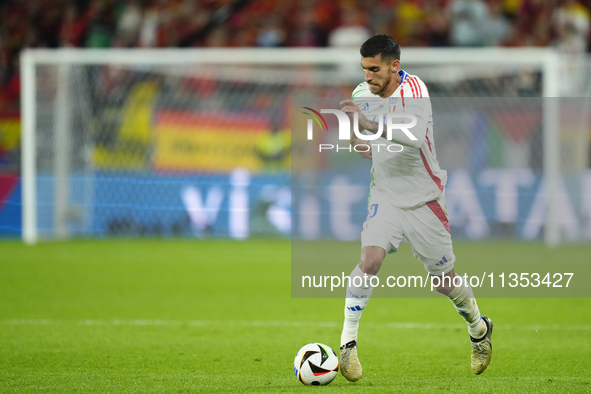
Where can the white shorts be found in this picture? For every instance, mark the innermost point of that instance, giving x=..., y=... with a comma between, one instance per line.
x=425, y=227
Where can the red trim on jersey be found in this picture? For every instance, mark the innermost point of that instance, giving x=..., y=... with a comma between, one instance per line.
x=414, y=93
x=414, y=89
x=420, y=87
x=402, y=95
x=435, y=179
x=419, y=83
x=428, y=142
x=438, y=211
x=417, y=88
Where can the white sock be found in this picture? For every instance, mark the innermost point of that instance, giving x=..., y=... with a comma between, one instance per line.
x=465, y=303
x=355, y=303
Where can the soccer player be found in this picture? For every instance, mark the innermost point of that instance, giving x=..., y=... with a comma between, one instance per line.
x=406, y=198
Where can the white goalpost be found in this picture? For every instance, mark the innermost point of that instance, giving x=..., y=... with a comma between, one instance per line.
x=70, y=102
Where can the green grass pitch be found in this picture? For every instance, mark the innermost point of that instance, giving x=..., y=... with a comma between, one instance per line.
x=190, y=316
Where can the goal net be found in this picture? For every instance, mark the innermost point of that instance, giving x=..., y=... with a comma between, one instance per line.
x=198, y=142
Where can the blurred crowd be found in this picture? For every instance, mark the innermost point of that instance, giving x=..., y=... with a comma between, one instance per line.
x=282, y=23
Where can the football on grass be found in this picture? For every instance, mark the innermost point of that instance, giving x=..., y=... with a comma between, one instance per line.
x=316, y=364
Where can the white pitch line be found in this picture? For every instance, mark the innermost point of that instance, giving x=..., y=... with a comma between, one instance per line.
x=271, y=323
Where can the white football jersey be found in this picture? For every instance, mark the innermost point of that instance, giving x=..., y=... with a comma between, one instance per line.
x=412, y=176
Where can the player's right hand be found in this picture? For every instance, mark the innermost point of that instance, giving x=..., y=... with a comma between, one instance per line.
x=351, y=108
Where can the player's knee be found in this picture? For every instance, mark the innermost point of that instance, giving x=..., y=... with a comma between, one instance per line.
x=371, y=263
x=445, y=290
x=443, y=284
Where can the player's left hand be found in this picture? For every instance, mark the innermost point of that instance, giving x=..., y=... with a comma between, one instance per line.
x=350, y=108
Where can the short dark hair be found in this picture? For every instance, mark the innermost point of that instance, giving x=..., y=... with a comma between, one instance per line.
x=381, y=44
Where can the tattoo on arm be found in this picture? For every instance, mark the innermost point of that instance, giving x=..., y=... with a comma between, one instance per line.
x=373, y=126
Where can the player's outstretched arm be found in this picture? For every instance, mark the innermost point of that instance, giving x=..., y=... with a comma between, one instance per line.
x=398, y=136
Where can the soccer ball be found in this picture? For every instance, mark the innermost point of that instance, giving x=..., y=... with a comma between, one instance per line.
x=316, y=364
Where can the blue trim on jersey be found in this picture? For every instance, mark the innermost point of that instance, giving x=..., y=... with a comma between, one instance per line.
x=403, y=75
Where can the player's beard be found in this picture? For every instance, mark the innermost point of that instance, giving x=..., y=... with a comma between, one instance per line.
x=384, y=86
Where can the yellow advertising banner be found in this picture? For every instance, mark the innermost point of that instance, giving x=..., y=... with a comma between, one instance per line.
x=10, y=133
x=134, y=133
x=212, y=142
